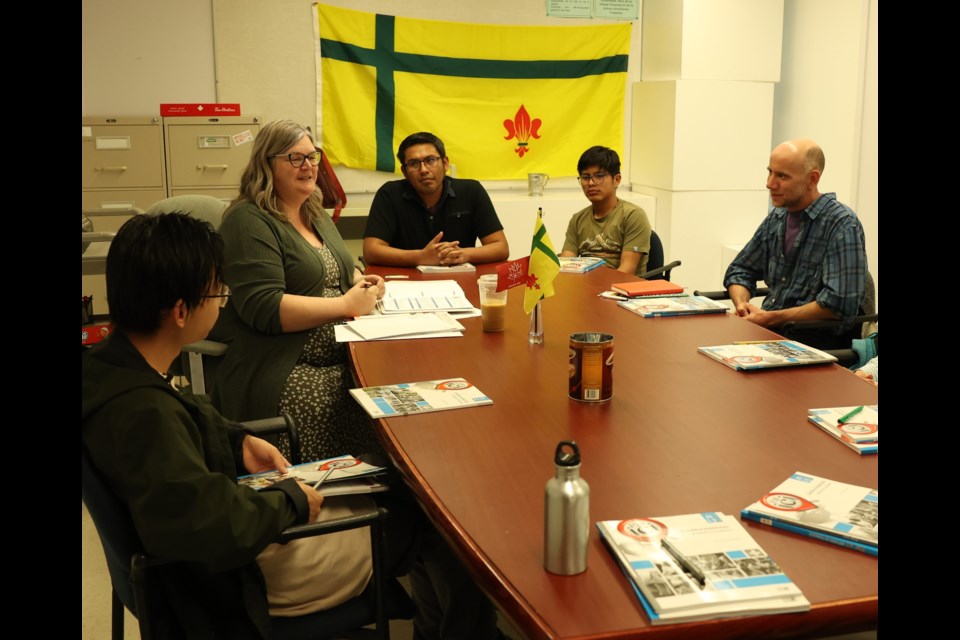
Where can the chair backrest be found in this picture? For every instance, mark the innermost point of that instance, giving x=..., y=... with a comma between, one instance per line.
x=655, y=257
x=206, y=208
x=118, y=536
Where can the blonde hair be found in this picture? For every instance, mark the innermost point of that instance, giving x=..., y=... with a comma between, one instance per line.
x=256, y=184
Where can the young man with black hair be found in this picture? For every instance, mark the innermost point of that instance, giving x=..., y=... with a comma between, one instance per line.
x=430, y=218
x=172, y=459
x=610, y=228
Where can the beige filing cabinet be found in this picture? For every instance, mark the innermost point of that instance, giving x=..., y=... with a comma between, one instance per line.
x=207, y=155
x=122, y=163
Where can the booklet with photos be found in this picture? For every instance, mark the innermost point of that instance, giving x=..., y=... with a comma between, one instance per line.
x=698, y=567
x=342, y=475
x=419, y=397
x=836, y=512
x=766, y=354
x=858, y=427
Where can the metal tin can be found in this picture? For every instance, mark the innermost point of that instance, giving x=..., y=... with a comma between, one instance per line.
x=591, y=366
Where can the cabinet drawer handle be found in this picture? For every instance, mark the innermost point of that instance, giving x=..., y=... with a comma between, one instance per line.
x=120, y=168
x=211, y=167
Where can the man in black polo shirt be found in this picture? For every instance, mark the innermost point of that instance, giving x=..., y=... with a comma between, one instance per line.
x=430, y=218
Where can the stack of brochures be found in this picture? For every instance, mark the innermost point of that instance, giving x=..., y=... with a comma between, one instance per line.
x=419, y=397
x=857, y=427
x=766, y=354
x=343, y=475
x=581, y=264
x=423, y=295
x=676, y=305
x=835, y=512
x=698, y=567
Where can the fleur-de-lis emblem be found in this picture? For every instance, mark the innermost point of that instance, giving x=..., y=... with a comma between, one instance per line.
x=522, y=128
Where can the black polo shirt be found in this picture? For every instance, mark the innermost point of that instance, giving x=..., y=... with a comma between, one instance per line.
x=399, y=217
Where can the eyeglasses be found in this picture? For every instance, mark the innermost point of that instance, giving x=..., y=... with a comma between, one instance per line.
x=297, y=159
x=414, y=164
x=223, y=296
x=598, y=178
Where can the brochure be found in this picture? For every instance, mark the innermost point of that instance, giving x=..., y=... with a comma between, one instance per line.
x=419, y=397
x=338, y=476
x=766, y=354
x=699, y=566
x=827, y=510
x=682, y=305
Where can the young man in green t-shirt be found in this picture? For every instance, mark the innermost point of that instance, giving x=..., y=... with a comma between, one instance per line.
x=610, y=228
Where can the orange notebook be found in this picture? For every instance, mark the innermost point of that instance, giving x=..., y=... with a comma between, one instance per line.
x=640, y=288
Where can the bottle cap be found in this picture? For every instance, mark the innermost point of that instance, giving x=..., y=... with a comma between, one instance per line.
x=567, y=454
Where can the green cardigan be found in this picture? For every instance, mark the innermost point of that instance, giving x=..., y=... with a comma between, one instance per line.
x=265, y=258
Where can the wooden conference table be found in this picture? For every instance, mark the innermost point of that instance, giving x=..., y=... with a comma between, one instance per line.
x=682, y=434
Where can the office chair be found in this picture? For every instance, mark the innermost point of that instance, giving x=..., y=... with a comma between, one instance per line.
x=656, y=270
x=130, y=568
x=192, y=362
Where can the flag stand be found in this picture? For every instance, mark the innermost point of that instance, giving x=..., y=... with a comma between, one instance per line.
x=536, y=325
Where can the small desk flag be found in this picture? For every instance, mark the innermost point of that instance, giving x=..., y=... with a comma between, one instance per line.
x=543, y=268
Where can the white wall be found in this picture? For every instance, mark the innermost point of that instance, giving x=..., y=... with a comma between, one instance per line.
x=829, y=91
x=138, y=53
x=135, y=54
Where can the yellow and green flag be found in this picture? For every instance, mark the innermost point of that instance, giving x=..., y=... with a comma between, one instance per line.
x=543, y=268
x=506, y=100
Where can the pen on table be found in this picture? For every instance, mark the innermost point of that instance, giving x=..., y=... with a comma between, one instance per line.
x=846, y=417
x=691, y=568
x=396, y=276
x=316, y=485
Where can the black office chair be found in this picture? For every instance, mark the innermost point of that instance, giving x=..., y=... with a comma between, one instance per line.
x=130, y=568
x=656, y=270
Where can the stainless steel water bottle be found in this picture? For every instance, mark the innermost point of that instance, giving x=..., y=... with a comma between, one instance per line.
x=566, y=505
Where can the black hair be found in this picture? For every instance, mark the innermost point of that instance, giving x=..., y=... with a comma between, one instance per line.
x=606, y=159
x=423, y=137
x=156, y=260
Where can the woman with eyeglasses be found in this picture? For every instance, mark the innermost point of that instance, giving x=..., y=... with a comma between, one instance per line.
x=291, y=279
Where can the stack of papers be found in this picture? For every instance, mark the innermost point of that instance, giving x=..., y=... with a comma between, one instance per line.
x=417, y=296
x=399, y=326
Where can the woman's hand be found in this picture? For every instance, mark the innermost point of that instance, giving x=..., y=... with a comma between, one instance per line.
x=361, y=299
x=376, y=281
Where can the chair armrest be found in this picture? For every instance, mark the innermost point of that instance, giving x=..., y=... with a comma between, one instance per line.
x=206, y=348
x=725, y=295
x=282, y=424
x=662, y=271
x=368, y=517
x=826, y=324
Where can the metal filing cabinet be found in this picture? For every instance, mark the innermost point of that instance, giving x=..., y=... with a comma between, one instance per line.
x=123, y=164
x=207, y=155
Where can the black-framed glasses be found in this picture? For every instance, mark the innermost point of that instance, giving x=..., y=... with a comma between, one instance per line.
x=223, y=296
x=587, y=178
x=297, y=159
x=414, y=164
